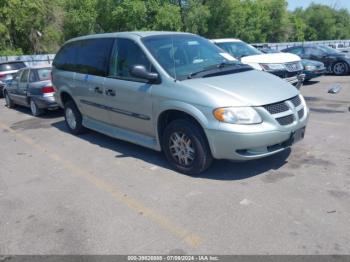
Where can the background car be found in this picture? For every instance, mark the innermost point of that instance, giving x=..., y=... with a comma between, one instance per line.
x=7, y=70
x=286, y=66
x=312, y=68
x=31, y=87
x=335, y=61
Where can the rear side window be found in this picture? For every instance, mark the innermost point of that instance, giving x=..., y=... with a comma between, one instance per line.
x=24, y=77
x=12, y=66
x=32, y=76
x=297, y=50
x=89, y=56
x=313, y=51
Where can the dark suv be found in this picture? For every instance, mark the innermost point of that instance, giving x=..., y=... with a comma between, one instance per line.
x=7, y=71
x=336, y=62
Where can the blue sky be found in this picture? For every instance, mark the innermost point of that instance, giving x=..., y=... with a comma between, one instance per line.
x=292, y=4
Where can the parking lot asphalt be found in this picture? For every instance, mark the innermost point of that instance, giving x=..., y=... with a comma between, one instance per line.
x=63, y=194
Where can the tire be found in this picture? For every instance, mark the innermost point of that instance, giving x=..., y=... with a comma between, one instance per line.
x=73, y=118
x=9, y=103
x=340, y=68
x=35, y=110
x=183, y=130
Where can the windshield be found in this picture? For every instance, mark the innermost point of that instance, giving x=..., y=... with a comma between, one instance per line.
x=184, y=55
x=239, y=49
x=328, y=50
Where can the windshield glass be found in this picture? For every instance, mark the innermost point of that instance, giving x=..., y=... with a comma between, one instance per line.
x=328, y=50
x=239, y=49
x=183, y=55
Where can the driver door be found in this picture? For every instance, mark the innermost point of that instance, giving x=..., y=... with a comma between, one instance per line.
x=129, y=99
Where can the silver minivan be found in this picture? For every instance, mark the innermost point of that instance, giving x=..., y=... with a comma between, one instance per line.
x=177, y=93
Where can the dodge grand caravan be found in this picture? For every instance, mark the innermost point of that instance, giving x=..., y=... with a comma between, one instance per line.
x=177, y=93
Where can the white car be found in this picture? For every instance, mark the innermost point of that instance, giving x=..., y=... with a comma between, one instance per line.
x=285, y=65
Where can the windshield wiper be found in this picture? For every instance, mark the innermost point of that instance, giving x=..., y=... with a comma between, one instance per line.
x=214, y=69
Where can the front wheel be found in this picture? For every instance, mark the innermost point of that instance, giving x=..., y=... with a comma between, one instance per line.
x=340, y=68
x=74, y=120
x=8, y=101
x=186, y=148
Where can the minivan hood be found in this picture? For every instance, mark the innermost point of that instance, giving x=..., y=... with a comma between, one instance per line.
x=249, y=88
x=271, y=58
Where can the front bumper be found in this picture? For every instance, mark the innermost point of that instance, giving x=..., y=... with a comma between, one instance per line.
x=297, y=80
x=247, y=142
x=313, y=74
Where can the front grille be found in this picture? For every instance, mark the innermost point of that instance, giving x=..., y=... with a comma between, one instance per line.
x=296, y=101
x=286, y=120
x=301, y=113
x=276, y=108
x=295, y=66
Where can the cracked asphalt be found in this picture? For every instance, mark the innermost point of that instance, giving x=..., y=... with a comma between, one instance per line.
x=63, y=194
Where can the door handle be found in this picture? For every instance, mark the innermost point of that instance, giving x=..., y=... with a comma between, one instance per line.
x=98, y=90
x=110, y=92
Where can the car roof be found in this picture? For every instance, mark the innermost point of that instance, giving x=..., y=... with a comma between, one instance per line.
x=36, y=67
x=133, y=34
x=11, y=62
x=225, y=40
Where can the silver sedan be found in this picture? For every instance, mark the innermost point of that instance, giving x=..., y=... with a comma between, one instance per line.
x=31, y=87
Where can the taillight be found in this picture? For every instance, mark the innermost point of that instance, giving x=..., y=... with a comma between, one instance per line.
x=47, y=89
x=2, y=76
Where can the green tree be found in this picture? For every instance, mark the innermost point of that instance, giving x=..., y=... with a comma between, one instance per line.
x=195, y=17
x=80, y=17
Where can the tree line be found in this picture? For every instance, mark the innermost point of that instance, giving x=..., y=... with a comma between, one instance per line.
x=41, y=26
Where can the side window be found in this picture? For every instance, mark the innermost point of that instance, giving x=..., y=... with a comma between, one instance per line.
x=66, y=57
x=93, y=56
x=297, y=51
x=313, y=51
x=32, y=76
x=127, y=54
x=24, y=77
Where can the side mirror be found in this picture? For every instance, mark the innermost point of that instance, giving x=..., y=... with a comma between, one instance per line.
x=140, y=71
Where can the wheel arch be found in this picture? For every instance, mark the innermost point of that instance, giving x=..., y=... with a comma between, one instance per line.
x=171, y=113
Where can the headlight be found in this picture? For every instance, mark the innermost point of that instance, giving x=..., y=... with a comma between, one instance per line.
x=310, y=68
x=271, y=67
x=237, y=115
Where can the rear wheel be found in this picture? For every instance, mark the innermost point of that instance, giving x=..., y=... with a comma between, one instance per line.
x=186, y=148
x=36, y=111
x=340, y=68
x=74, y=120
x=8, y=101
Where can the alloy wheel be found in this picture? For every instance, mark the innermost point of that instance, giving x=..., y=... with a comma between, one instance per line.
x=181, y=148
x=339, y=68
x=70, y=117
